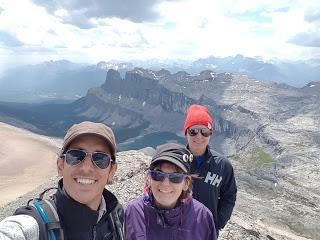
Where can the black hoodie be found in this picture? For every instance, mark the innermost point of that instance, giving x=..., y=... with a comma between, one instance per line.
x=216, y=188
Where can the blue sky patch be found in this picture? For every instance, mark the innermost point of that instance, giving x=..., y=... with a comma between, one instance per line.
x=284, y=9
x=252, y=16
x=264, y=32
x=169, y=25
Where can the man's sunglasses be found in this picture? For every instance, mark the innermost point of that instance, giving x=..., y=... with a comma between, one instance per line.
x=76, y=156
x=206, y=132
x=160, y=176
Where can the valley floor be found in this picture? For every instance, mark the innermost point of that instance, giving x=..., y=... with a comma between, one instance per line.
x=27, y=160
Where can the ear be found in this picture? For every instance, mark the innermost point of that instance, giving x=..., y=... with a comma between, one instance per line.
x=187, y=183
x=112, y=172
x=60, y=165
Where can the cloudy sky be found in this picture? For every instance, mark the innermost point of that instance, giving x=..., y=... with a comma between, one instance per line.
x=90, y=31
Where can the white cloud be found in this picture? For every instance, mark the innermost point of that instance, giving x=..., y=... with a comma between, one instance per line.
x=187, y=29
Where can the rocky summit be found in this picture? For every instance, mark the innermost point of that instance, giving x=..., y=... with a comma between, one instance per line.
x=269, y=131
x=251, y=218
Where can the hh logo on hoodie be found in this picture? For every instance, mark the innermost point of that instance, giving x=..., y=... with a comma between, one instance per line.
x=213, y=179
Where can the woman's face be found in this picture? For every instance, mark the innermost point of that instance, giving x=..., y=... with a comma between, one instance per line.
x=166, y=193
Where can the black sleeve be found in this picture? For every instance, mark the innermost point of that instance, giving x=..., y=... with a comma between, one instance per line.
x=228, y=195
x=31, y=211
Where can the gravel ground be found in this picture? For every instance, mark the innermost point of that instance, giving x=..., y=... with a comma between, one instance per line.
x=130, y=179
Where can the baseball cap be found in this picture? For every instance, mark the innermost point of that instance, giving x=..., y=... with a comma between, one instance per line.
x=93, y=128
x=174, y=153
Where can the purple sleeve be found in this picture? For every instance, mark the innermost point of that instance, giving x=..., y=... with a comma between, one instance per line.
x=212, y=232
x=205, y=222
x=134, y=224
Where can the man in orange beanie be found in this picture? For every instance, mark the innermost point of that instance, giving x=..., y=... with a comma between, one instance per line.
x=216, y=186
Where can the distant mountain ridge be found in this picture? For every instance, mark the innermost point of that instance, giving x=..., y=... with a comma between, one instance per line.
x=294, y=73
x=63, y=80
x=54, y=80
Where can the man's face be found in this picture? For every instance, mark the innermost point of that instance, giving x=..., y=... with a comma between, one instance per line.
x=85, y=182
x=198, y=143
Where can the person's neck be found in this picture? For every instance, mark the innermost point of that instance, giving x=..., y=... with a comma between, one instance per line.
x=161, y=207
x=92, y=205
x=198, y=153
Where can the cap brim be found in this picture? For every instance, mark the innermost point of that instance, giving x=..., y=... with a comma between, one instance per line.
x=72, y=138
x=171, y=160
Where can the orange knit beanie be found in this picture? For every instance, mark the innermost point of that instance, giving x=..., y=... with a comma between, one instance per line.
x=197, y=115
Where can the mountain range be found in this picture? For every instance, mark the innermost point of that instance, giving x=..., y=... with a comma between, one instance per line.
x=63, y=81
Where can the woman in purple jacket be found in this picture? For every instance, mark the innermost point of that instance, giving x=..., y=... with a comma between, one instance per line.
x=167, y=210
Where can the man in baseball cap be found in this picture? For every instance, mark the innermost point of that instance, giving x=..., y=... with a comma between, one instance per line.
x=84, y=207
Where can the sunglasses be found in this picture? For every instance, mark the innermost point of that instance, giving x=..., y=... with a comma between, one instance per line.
x=76, y=156
x=206, y=132
x=160, y=176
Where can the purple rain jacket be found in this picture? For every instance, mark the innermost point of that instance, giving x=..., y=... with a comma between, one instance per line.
x=189, y=221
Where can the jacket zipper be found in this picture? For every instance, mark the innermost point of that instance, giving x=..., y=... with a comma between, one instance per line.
x=94, y=232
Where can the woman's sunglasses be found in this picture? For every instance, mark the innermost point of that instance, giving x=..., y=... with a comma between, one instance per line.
x=75, y=156
x=206, y=132
x=160, y=176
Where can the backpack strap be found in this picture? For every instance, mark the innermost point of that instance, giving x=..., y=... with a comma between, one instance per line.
x=48, y=212
x=39, y=206
x=50, y=208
